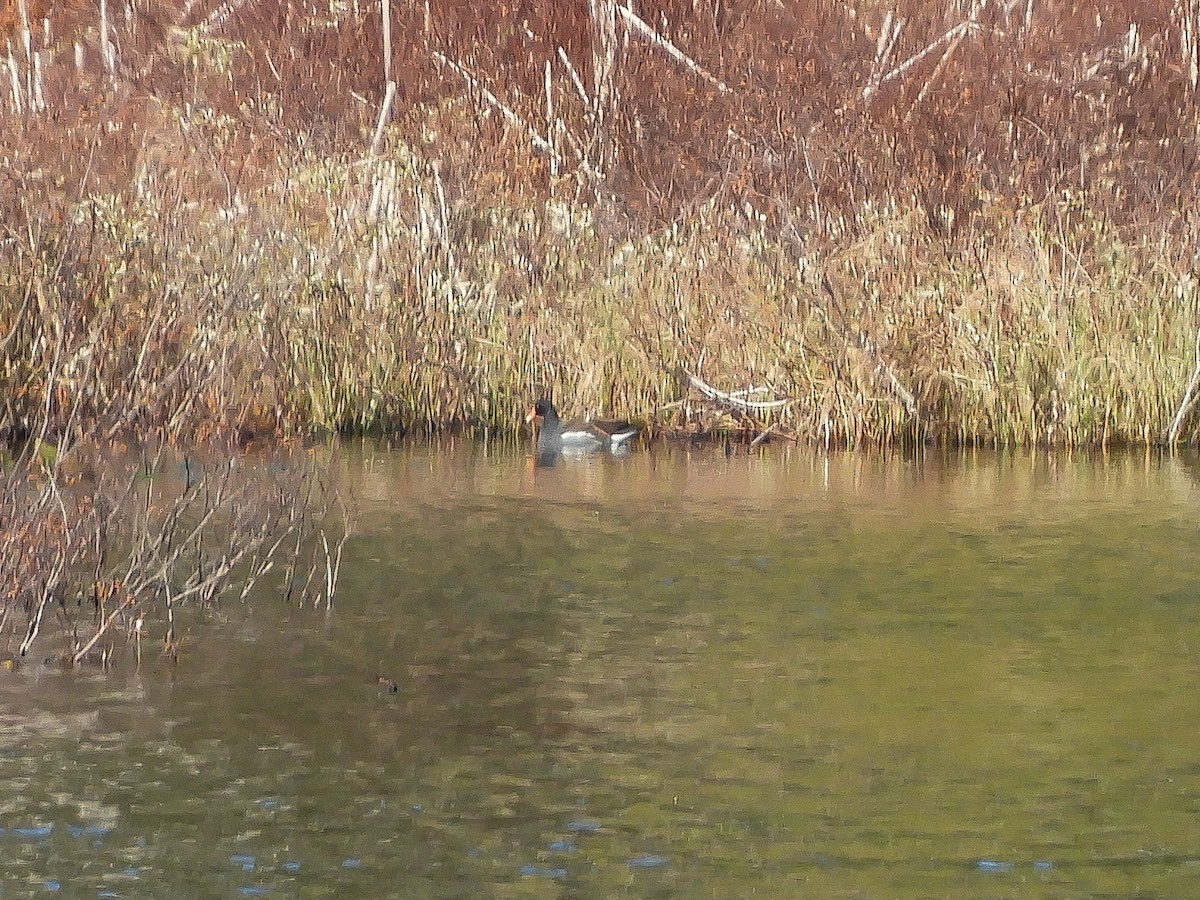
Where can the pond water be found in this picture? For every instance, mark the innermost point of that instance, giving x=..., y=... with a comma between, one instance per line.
x=673, y=674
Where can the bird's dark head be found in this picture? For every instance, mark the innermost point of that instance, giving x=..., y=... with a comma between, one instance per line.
x=541, y=411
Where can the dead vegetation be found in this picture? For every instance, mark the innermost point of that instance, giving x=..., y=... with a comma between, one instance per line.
x=101, y=553
x=970, y=222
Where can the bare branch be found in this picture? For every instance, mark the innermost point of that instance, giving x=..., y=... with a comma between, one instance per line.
x=733, y=400
x=645, y=31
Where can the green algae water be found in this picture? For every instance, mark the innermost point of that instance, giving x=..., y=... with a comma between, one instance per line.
x=668, y=675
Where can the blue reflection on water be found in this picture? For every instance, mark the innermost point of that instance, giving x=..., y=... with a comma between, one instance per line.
x=583, y=826
x=648, y=861
x=993, y=865
x=34, y=832
x=544, y=871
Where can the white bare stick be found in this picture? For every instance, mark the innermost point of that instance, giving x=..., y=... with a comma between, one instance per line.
x=604, y=57
x=898, y=388
x=766, y=433
x=574, y=144
x=882, y=42
x=575, y=79
x=667, y=47
x=889, y=33
x=386, y=10
x=894, y=38
x=750, y=391
x=106, y=52
x=550, y=119
x=26, y=34
x=220, y=14
x=39, y=96
x=1187, y=42
x=16, y=81
x=1189, y=397
x=733, y=400
x=960, y=29
x=888, y=40
x=385, y=112
x=882, y=367
x=443, y=209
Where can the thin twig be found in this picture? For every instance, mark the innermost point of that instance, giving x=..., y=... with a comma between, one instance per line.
x=538, y=141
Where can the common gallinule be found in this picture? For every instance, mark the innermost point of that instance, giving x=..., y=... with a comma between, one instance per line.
x=555, y=438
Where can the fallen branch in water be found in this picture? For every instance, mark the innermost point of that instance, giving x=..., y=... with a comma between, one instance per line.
x=766, y=433
x=744, y=411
